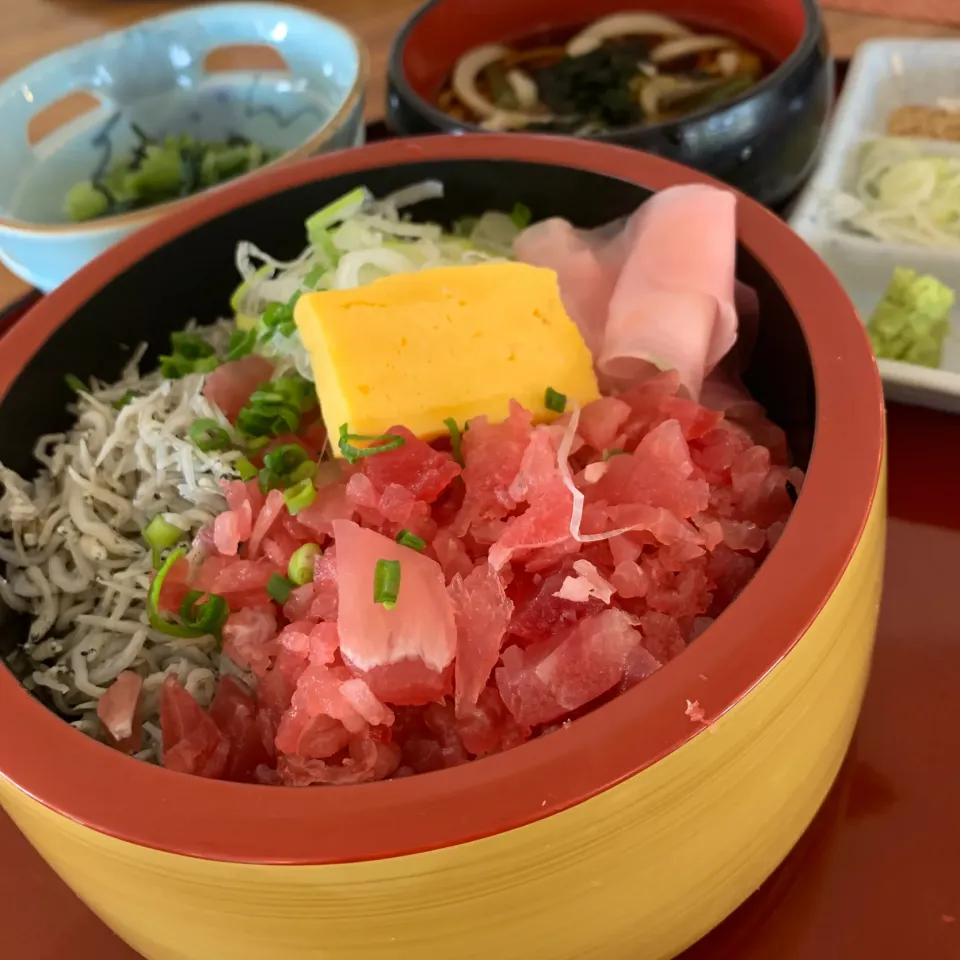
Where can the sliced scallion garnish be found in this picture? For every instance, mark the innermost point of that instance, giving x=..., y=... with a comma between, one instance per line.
x=300, y=568
x=386, y=583
x=160, y=533
x=125, y=399
x=299, y=496
x=157, y=620
x=241, y=343
x=278, y=588
x=339, y=210
x=555, y=401
x=207, y=617
x=285, y=459
x=76, y=384
x=246, y=469
x=521, y=216
x=407, y=539
x=207, y=435
x=352, y=453
x=455, y=439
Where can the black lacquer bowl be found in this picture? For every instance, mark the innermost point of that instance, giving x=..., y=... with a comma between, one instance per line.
x=765, y=142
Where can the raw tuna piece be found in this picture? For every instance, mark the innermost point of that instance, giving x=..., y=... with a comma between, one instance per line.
x=119, y=712
x=488, y=726
x=526, y=696
x=661, y=637
x=419, y=628
x=451, y=554
x=419, y=468
x=311, y=737
x=492, y=454
x=640, y=664
x=192, y=742
x=629, y=580
x=538, y=612
x=730, y=572
x=659, y=473
x=682, y=592
x=265, y=520
x=234, y=712
x=601, y=422
x=318, y=693
x=250, y=638
x=590, y=660
x=544, y=525
x=232, y=528
x=331, y=503
x=408, y=682
x=369, y=760
x=230, y=385
x=175, y=587
x=230, y=577
x=481, y=612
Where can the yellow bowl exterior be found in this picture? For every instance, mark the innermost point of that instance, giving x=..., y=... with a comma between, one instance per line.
x=638, y=872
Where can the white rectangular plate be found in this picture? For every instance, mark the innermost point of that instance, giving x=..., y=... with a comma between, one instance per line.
x=884, y=75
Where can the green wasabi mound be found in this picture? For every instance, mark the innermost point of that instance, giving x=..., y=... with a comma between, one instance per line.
x=910, y=322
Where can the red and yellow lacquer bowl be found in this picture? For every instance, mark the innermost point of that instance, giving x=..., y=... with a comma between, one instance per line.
x=628, y=834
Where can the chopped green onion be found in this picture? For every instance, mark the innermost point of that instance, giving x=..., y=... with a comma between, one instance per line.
x=161, y=533
x=76, y=384
x=209, y=617
x=279, y=588
x=157, y=620
x=207, y=435
x=267, y=480
x=455, y=438
x=155, y=559
x=306, y=471
x=521, y=216
x=557, y=402
x=386, y=583
x=300, y=568
x=284, y=459
x=205, y=364
x=341, y=209
x=315, y=275
x=254, y=444
x=615, y=452
x=190, y=346
x=175, y=367
x=299, y=496
x=287, y=329
x=125, y=399
x=241, y=343
x=275, y=408
x=275, y=314
x=407, y=539
x=246, y=469
x=353, y=453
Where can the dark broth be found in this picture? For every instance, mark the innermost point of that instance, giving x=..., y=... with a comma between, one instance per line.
x=604, y=89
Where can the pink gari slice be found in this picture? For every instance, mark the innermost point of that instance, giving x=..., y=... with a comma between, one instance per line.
x=482, y=612
x=230, y=385
x=419, y=628
x=425, y=472
x=192, y=742
x=673, y=305
x=118, y=710
x=657, y=290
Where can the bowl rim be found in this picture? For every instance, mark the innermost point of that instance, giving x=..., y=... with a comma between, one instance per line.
x=312, y=144
x=813, y=32
x=88, y=782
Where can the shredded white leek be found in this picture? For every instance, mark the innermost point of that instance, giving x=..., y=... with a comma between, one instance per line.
x=902, y=195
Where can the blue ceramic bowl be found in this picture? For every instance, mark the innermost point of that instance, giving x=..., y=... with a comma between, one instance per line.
x=285, y=78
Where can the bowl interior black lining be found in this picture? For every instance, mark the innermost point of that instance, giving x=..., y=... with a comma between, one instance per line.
x=193, y=276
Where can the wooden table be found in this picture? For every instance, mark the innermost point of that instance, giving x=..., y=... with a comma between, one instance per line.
x=33, y=28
